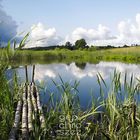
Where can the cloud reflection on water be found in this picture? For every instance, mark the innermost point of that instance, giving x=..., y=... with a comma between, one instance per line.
x=71, y=71
x=86, y=76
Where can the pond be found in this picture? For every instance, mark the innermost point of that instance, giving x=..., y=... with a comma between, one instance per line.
x=85, y=73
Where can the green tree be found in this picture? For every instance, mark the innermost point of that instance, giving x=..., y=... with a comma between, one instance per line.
x=68, y=45
x=81, y=43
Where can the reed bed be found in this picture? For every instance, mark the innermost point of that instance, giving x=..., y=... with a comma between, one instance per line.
x=113, y=117
x=8, y=102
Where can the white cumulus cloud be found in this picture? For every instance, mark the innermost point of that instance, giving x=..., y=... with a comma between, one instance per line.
x=72, y=71
x=102, y=33
x=128, y=33
x=40, y=36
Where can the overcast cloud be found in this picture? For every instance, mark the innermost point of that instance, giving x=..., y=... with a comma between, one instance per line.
x=8, y=27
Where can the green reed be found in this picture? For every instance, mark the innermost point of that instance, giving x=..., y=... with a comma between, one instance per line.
x=114, y=117
x=8, y=100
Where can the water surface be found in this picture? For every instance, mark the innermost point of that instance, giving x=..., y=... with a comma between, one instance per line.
x=85, y=73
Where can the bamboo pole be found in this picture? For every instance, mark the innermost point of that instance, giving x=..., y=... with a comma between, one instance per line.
x=42, y=119
x=16, y=122
x=26, y=73
x=24, y=115
x=33, y=75
x=30, y=98
x=30, y=126
x=33, y=98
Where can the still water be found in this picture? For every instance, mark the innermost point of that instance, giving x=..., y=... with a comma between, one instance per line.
x=86, y=74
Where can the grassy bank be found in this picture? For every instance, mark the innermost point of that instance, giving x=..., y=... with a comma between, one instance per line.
x=127, y=55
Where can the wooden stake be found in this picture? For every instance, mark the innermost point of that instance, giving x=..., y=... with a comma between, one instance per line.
x=33, y=73
x=26, y=73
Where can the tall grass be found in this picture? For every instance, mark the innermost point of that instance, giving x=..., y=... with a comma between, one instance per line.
x=8, y=100
x=114, y=117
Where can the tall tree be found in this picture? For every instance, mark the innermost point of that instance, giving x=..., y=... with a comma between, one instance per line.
x=81, y=43
x=68, y=45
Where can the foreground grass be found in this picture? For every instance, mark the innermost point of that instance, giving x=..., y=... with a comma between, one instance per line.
x=114, y=117
x=8, y=100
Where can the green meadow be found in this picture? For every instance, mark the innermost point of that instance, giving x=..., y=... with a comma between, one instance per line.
x=91, y=55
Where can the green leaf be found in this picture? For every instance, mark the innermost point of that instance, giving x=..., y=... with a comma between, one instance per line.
x=23, y=42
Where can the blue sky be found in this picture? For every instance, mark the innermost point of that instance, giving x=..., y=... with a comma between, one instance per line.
x=66, y=16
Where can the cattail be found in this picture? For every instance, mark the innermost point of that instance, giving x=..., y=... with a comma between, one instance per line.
x=16, y=122
x=30, y=126
x=24, y=115
x=42, y=119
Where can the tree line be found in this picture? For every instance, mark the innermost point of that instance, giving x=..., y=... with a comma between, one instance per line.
x=79, y=44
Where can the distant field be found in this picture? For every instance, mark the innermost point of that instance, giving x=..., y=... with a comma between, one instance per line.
x=127, y=55
x=131, y=50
